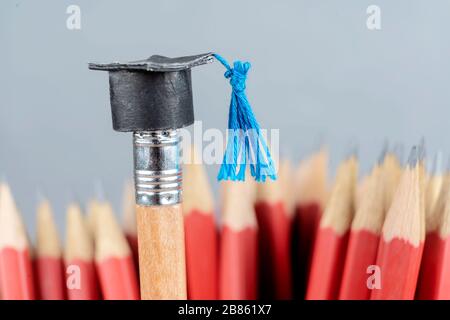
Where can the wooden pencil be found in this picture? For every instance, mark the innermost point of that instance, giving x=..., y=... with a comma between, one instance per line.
x=274, y=239
x=332, y=237
x=81, y=279
x=49, y=263
x=129, y=220
x=312, y=192
x=113, y=258
x=364, y=238
x=434, y=279
x=16, y=269
x=239, y=248
x=401, y=244
x=201, y=234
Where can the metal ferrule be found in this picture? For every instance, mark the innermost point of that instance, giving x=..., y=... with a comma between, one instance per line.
x=157, y=169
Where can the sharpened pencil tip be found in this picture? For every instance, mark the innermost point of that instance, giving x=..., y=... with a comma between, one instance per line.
x=99, y=191
x=399, y=150
x=353, y=150
x=384, y=151
x=413, y=158
x=422, y=151
x=436, y=169
x=40, y=197
x=448, y=165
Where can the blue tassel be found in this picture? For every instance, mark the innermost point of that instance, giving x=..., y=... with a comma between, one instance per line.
x=245, y=141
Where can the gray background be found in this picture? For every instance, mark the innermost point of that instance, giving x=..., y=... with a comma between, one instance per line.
x=318, y=74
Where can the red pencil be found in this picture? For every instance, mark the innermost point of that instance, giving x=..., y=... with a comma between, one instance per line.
x=81, y=279
x=16, y=269
x=239, y=248
x=434, y=277
x=201, y=234
x=332, y=237
x=364, y=238
x=49, y=264
x=129, y=220
x=401, y=244
x=312, y=193
x=274, y=225
x=113, y=258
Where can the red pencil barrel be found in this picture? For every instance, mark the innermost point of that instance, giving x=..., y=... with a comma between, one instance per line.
x=434, y=278
x=274, y=253
x=327, y=265
x=50, y=274
x=201, y=255
x=361, y=253
x=118, y=279
x=399, y=262
x=87, y=280
x=16, y=274
x=238, y=265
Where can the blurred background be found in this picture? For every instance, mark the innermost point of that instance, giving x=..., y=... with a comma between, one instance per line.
x=318, y=74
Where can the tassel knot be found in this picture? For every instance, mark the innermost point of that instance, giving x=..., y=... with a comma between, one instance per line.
x=245, y=141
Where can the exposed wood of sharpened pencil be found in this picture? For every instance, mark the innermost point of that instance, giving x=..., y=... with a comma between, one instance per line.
x=360, y=191
x=274, y=223
x=16, y=269
x=392, y=172
x=312, y=193
x=332, y=237
x=239, y=251
x=364, y=239
x=200, y=233
x=401, y=244
x=162, y=264
x=81, y=280
x=113, y=258
x=129, y=220
x=49, y=263
x=91, y=215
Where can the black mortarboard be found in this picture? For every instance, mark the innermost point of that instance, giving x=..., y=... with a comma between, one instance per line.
x=152, y=94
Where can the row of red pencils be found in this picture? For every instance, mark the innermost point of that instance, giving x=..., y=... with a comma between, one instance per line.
x=384, y=237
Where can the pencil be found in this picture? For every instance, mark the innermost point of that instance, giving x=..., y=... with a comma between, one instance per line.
x=434, y=279
x=81, y=279
x=274, y=239
x=113, y=258
x=239, y=248
x=364, y=238
x=49, y=263
x=201, y=234
x=312, y=192
x=332, y=237
x=401, y=244
x=16, y=269
x=129, y=220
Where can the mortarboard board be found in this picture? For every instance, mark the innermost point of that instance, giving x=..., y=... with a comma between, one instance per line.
x=152, y=94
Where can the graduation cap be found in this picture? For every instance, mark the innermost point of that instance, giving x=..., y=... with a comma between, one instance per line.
x=152, y=94
x=156, y=94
